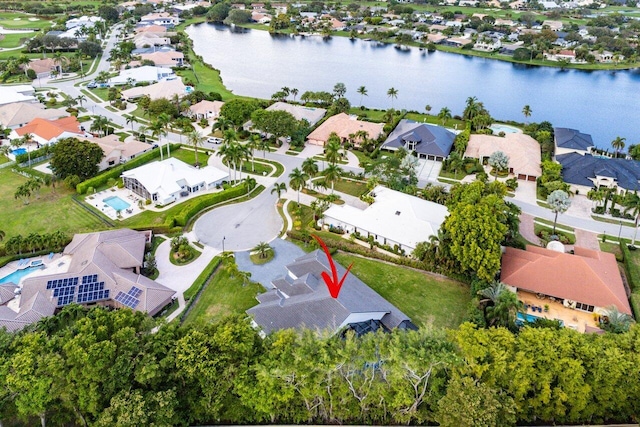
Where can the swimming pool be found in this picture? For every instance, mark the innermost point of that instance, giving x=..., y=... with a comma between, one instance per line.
x=530, y=318
x=18, y=275
x=116, y=203
x=497, y=128
x=19, y=151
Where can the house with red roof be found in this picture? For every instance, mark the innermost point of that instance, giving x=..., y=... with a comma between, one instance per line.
x=574, y=288
x=45, y=131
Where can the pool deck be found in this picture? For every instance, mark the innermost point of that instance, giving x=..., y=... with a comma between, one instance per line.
x=503, y=128
x=57, y=264
x=574, y=319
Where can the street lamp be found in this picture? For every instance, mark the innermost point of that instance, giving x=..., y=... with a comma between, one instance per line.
x=223, y=238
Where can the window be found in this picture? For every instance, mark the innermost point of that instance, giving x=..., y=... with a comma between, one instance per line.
x=584, y=307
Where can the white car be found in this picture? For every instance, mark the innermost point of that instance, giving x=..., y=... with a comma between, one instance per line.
x=214, y=140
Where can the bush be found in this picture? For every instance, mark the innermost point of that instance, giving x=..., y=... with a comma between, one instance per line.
x=512, y=183
x=72, y=181
x=40, y=152
x=599, y=210
x=192, y=207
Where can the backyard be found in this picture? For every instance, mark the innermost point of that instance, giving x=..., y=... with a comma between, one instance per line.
x=53, y=210
x=424, y=297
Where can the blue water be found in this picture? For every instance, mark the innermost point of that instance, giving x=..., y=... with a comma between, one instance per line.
x=116, y=203
x=530, y=318
x=17, y=275
x=503, y=128
x=601, y=103
x=19, y=151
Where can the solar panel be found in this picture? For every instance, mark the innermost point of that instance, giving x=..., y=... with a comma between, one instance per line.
x=127, y=300
x=135, y=292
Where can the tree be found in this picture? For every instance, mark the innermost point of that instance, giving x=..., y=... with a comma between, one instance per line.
x=499, y=162
x=310, y=168
x=81, y=98
x=237, y=17
x=108, y=13
x=75, y=157
x=393, y=94
x=276, y=123
x=196, y=140
x=262, y=249
x=444, y=115
x=294, y=92
x=618, y=144
x=332, y=173
x=362, y=91
x=526, y=111
x=615, y=321
x=455, y=163
x=279, y=187
x=631, y=203
x=218, y=12
x=501, y=306
x=339, y=90
x=332, y=148
x=250, y=182
x=89, y=48
x=238, y=110
x=131, y=120
x=297, y=180
x=559, y=202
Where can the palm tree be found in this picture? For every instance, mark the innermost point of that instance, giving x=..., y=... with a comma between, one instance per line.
x=332, y=174
x=456, y=162
x=294, y=92
x=631, y=203
x=24, y=61
x=59, y=60
x=23, y=193
x=250, y=182
x=252, y=144
x=263, y=145
x=500, y=305
x=223, y=124
x=310, y=167
x=615, y=321
x=196, y=140
x=297, y=179
x=81, y=98
x=262, y=249
x=131, y=120
x=279, y=187
x=618, y=144
x=472, y=108
x=332, y=148
x=392, y=93
x=526, y=111
x=444, y=115
x=99, y=124
x=559, y=202
x=363, y=92
x=225, y=152
x=27, y=138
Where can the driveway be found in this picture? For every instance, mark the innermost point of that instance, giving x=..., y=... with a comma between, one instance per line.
x=428, y=170
x=285, y=253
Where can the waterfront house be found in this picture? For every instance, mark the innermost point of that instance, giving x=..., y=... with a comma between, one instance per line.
x=585, y=172
x=165, y=58
x=522, y=150
x=205, y=110
x=144, y=74
x=427, y=141
x=299, y=112
x=301, y=300
x=163, y=89
x=343, y=125
x=571, y=141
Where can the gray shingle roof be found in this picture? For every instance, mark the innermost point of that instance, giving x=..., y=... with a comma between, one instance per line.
x=306, y=303
x=572, y=138
x=577, y=169
x=431, y=140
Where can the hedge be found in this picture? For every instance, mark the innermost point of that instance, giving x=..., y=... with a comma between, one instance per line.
x=192, y=207
x=191, y=294
x=633, y=278
x=115, y=172
x=40, y=152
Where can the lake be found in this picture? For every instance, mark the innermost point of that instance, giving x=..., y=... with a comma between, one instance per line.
x=255, y=63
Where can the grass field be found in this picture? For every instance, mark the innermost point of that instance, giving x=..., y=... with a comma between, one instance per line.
x=224, y=295
x=14, y=40
x=425, y=298
x=354, y=188
x=16, y=20
x=54, y=210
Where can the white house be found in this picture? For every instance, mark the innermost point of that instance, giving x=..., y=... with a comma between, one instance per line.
x=16, y=93
x=144, y=74
x=169, y=180
x=394, y=218
x=163, y=89
x=205, y=109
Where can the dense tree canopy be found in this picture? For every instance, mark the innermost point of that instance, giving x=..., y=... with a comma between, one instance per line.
x=276, y=123
x=72, y=156
x=238, y=111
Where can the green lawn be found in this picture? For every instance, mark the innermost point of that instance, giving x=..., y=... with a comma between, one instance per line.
x=354, y=188
x=424, y=297
x=224, y=295
x=54, y=210
x=15, y=40
x=16, y=20
x=189, y=156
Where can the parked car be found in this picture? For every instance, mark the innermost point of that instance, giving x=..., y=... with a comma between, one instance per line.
x=92, y=85
x=214, y=140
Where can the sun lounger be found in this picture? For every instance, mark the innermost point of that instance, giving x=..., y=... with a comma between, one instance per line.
x=51, y=255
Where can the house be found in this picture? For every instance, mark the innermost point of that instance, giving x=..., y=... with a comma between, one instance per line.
x=584, y=172
x=394, y=218
x=205, y=109
x=522, y=150
x=142, y=40
x=144, y=74
x=163, y=89
x=260, y=17
x=100, y=268
x=563, y=55
x=169, y=180
x=574, y=286
x=456, y=42
x=116, y=151
x=427, y=141
x=553, y=25
x=83, y=21
x=164, y=58
x=344, y=126
x=301, y=300
x=46, y=132
x=311, y=114
x=16, y=93
x=156, y=29
x=487, y=44
x=18, y=114
x=571, y=141
x=44, y=67
x=164, y=19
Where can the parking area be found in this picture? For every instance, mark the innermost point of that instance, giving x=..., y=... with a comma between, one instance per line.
x=428, y=170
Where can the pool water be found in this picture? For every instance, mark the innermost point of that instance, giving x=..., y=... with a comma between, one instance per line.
x=116, y=203
x=19, y=151
x=17, y=275
x=503, y=128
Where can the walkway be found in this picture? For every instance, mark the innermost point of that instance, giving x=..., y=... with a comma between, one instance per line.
x=285, y=253
x=527, y=229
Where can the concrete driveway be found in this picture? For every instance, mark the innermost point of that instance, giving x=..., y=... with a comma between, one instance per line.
x=285, y=253
x=428, y=170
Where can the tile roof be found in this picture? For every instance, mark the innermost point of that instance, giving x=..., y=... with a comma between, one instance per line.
x=300, y=112
x=111, y=145
x=431, y=140
x=302, y=300
x=522, y=150
x=49, y=129
x=582, y=170
x=204, y=107
x=589, y=277
x=23, y=112
x=344, y=125
x=163, y=57
x=164, y=89
x=572, y=138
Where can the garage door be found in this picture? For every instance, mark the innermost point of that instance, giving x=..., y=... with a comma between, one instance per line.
x=522, y=176
x=531, y=178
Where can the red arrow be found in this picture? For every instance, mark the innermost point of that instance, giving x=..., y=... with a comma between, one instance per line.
x=333, y=284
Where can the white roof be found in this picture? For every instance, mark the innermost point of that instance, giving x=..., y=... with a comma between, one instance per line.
x=147, y=73
x=163, y=89
x=168, y=176
x=18, y=93
x=397, y=216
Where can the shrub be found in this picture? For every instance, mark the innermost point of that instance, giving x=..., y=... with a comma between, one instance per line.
x=512, y=183
x=192, y=207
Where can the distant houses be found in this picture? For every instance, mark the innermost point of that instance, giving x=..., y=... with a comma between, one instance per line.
x=300, y=299
x=426, y=141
